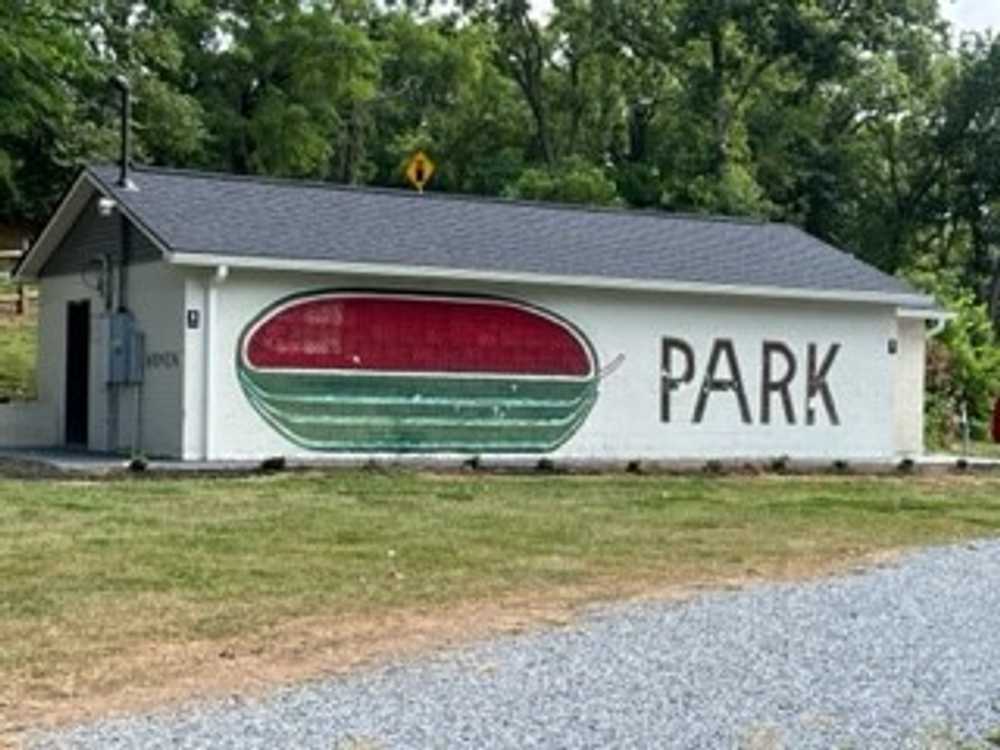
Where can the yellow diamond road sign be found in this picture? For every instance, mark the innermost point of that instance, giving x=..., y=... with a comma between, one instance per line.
x=419, y=170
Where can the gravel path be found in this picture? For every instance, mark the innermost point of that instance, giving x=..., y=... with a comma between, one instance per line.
x=891, y=658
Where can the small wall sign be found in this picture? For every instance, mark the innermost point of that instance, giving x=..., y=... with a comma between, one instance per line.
x=193, y=319
x=163, y=360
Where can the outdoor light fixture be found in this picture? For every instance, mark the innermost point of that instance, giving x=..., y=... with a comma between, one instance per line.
x=105, y=206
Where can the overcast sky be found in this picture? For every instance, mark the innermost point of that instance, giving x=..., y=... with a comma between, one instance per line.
x=972, y=15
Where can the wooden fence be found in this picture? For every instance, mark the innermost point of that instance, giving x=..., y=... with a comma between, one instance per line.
x=20, y=297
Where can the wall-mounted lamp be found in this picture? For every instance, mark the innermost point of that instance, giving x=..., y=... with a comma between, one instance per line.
x=106, y=207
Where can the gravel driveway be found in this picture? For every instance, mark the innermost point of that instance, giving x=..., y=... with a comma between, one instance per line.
x=896, y=657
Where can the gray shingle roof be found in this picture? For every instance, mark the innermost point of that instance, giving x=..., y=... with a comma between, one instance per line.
x=194, y=212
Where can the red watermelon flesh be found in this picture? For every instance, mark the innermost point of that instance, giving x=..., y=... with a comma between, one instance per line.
x=398, y=333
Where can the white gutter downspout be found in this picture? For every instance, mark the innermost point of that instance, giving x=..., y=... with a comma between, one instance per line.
x=939, y=316
x=938, y=326
x=211, y=306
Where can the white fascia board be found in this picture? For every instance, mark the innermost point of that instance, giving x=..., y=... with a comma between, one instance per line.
x=583, y=282
x=76, y=199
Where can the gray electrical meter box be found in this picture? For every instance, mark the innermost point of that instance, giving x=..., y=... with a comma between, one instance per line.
x=126, y=349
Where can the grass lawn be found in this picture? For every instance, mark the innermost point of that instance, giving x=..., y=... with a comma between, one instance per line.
x=92, y=571
x=17, y=352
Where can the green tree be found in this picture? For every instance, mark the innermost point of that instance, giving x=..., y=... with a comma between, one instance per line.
x=573, y=181
x=963, y=362
x=57, y=110
x=42, y=58
x=442, y=92
x=278, y=88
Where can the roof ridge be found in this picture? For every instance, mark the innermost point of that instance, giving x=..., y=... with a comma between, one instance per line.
x=446, y=196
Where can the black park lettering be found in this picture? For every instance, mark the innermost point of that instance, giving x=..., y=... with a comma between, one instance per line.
x=779, y=369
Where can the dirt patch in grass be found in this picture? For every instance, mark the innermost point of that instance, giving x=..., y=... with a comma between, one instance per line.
x=156, y=676
x=126, y=595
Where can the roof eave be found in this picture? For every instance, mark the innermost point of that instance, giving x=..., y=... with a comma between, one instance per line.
x=85, y=186
x=70, y=205
x=203, y=259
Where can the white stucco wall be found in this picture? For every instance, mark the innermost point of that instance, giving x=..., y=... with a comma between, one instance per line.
x=908, y=392
x=625, y=422
x=27, y=424
x=156, y=298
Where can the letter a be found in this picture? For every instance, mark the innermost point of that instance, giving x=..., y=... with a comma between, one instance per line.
x=711, y=383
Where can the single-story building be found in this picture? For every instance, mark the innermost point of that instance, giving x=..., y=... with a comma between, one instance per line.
x=210, y=316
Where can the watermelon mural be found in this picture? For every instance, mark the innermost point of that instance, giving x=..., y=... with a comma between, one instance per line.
x=415, y=373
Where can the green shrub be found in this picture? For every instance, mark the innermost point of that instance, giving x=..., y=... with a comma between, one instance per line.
x=573, y=181
x=963, y=362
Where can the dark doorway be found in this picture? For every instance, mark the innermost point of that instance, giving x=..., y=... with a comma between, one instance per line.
x=77, y=371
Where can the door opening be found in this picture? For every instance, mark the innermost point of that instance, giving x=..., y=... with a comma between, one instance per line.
x=77, y=372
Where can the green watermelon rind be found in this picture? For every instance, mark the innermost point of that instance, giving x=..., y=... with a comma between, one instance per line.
x=433, y=424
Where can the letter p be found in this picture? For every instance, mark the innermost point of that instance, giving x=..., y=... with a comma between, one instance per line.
x=674, y=377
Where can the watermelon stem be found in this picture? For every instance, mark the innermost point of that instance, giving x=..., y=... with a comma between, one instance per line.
x=612, y=366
